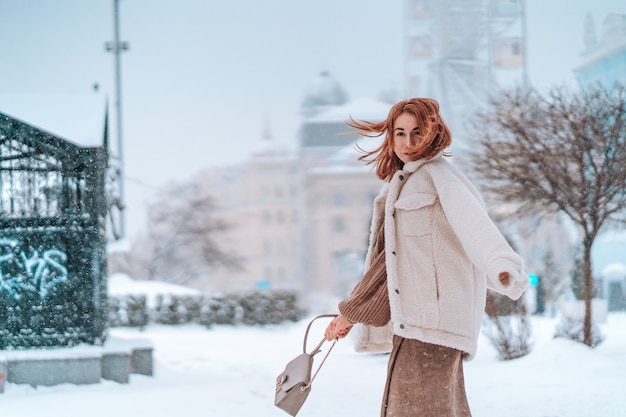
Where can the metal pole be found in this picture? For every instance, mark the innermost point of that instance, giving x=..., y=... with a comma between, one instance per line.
x=118, y=104
x=117, y=47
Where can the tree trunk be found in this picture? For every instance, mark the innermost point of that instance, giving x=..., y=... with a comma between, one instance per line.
x=588, y=278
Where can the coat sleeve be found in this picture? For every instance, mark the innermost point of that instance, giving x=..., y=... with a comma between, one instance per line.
x=483, y=243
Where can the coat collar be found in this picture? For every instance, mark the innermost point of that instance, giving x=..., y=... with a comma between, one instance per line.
x=414, y=165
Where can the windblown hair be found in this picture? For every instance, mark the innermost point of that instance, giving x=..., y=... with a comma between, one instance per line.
x=432, y=129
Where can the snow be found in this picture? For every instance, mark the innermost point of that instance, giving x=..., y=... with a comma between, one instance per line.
x=363, y=108
x=231, y=371
x=121, y=284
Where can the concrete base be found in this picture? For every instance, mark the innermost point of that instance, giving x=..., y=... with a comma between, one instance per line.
x=54, y=371
x=116, y=366
x=142, y=361
x=114, y=361
x=3, y=375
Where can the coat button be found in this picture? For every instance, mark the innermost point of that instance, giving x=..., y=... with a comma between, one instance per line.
x=402, y=326
x=401, y=177
x=397, y=291
x=393, y=253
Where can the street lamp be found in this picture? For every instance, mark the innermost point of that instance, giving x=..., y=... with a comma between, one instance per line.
x=117, y=47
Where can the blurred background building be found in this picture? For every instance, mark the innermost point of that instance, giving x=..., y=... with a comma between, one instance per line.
x=604, y=56
x=301, y=219
x=461, y=51
x=603, y=62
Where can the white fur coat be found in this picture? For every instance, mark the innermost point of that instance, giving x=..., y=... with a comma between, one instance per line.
x=442, y=252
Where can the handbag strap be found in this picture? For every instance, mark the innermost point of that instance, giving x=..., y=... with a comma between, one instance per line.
x=307, y=386
x=316, y=350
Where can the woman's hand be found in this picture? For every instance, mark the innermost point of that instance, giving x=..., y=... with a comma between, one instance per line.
x=338, y=328
x=505, y=278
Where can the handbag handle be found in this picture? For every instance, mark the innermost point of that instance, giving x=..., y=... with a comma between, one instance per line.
x=306, y=334
x=317, y=348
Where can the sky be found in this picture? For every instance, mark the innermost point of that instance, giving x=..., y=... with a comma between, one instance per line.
x=231, y=370
x=203, y=80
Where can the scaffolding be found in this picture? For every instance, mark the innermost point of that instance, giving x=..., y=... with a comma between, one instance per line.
x=459, y=52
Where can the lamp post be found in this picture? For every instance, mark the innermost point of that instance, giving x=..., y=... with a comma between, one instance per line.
x=117, y=47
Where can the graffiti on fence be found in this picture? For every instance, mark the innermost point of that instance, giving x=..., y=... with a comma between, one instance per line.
x=35, y=271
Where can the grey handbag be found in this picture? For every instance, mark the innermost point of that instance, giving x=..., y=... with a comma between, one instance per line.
x=293, y=385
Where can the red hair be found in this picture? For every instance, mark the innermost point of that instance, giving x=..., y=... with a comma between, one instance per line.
x=433, y=130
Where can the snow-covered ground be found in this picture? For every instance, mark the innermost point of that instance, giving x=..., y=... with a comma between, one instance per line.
x=230, y=371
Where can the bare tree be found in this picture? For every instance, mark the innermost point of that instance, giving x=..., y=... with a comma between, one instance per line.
x=558, y=151
x=182, y=242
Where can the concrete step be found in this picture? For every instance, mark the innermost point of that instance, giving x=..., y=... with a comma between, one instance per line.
x=85, y=364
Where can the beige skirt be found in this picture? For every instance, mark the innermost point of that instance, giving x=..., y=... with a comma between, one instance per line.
x=424, y=380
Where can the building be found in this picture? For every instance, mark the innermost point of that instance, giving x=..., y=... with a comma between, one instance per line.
x=337, y=189
x=461, y=51
x=260, y=199
x=301, y=218
x=604, y=57
x=603, y=63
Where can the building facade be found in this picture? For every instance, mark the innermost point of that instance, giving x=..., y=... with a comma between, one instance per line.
x=301, y=218
x=259, y=199
x=461, y=51
x=603, y=64
x=604, y=57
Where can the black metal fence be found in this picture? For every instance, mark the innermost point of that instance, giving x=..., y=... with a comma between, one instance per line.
x=52, y=239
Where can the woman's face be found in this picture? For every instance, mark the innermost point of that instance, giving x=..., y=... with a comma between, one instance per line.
x=406, y=136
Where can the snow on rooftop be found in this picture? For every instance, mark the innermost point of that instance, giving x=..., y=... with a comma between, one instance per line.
x=78, y=118
x=615, y=271
x=121, y=284
x=360, y=109
x=349, y=155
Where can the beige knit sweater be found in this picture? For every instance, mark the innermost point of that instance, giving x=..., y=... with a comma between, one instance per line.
x=369, y=301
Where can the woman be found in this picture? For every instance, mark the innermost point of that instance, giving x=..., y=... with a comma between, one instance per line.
x=433, y=252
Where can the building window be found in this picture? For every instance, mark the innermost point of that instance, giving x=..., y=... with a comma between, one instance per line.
x=267, y=218
x=415, y=85
x=338, y=199
x=421, y=9
x=282, y=276
x=339, y=225
x=280, y=247
x=280, y=217
x=509, y=52
x=421, y=46
x=515, y=48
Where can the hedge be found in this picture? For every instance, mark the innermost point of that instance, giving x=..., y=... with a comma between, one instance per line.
x=248, y=308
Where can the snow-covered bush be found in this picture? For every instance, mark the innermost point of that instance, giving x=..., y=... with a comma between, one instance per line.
x=136, y=311
x=509, y=335
x=170, y=309
x=128, y=310
x=251, y=308
x=574, y=330
x=225, y=309
x=507, y=326
x=260, y=307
